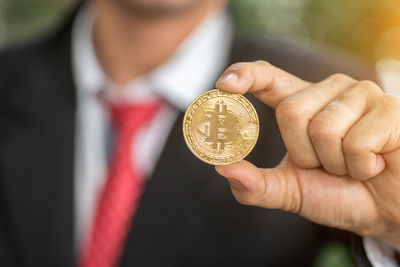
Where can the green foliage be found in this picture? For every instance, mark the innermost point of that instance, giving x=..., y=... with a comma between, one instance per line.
x=27, y=18
x=334, y=255
x=368, y=28
x=359, y=26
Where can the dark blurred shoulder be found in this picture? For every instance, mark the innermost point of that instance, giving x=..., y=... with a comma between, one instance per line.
x=35, y=78
x=19, y=60
x=314, y=63
x=35, y=67
x=22, y=62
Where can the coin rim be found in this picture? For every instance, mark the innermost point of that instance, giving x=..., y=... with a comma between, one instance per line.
x=191, y=148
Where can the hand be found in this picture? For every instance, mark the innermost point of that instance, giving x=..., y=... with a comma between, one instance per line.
x=343, y=141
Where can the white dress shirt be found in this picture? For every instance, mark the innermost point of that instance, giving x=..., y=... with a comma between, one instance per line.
x=178, y=81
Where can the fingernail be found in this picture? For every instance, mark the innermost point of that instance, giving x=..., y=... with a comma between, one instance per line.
x=234, y=181
x=231, y=77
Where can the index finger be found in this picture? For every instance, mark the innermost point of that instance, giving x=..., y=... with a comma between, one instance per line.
x=268, y=83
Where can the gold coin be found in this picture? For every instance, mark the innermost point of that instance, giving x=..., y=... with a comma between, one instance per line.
x=220, y=128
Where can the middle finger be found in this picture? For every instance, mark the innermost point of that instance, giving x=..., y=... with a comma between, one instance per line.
x=296, y=111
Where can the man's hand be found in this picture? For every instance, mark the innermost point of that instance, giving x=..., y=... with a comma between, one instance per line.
x=343, y=141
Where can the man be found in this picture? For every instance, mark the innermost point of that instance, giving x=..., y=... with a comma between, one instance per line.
x=78, y=187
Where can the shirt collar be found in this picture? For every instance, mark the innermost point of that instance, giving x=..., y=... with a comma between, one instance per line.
x=197, y=62
x=189, y=72
x=88, y=74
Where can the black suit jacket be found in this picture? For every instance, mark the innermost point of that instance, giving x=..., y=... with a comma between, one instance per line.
x=187, y=215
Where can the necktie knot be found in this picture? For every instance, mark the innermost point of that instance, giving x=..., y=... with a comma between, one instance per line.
x=132, y=116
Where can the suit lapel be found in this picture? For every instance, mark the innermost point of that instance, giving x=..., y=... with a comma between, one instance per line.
x=166, y=223
x=36, y=156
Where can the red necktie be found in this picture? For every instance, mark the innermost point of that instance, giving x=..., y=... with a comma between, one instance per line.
x=122, y=190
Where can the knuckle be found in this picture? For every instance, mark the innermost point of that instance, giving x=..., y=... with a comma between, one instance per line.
x=236, y=66
x=370, y=85
x=290, y=112
x=339, y=78
x=352, y=146
x=366, y=87
x=319, y=131
x=355, y=91
x=262, y=63
x=359, y=165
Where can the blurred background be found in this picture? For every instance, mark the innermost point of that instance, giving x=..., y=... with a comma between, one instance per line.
x=368, y=29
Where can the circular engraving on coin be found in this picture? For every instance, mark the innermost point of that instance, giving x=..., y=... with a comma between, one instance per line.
x=220, y=128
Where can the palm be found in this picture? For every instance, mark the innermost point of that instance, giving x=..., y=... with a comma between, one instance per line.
x=332, y=200
x=339, y=201
x=363, y=207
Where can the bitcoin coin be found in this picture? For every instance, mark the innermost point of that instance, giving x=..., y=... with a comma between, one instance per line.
x=220, y=128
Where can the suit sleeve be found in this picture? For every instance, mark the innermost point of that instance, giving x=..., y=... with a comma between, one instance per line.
x=5, y=253
x=358, y=252
x=6, y=249
x=370, y=252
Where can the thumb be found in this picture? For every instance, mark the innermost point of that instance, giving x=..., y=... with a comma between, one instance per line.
x=268, y=83
x=269, y=188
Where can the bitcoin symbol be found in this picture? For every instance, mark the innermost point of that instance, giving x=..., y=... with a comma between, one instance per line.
x=222, y=127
